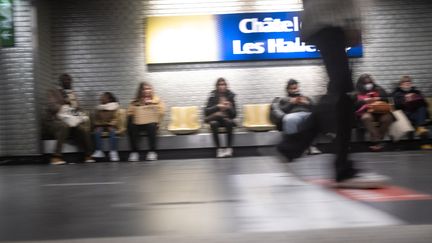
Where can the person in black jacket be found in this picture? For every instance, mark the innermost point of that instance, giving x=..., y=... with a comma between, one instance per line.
x=289, y=113
x=220, y=112
x=412, y=102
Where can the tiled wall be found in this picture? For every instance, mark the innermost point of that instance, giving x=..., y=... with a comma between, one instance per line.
x=19, y=131
x=101, y=44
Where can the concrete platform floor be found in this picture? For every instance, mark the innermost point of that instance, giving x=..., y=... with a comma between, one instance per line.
x=244, y=199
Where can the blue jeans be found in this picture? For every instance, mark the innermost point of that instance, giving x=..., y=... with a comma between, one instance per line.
x=112, y=138
x=291, y=122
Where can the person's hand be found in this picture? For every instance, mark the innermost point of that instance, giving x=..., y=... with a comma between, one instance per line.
x=303, y=100
x=409, y=96
x=293, y=100
x=228, y=104
x=370, y=100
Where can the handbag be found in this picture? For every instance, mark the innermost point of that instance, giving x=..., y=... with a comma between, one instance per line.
x=400, y=127
x=71, y=116
x=379, y=107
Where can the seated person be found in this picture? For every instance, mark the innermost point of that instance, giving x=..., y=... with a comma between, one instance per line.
x=370, y=95
x=288, y=113
x=66, y=120
x=106, y=119
x=411, y=101
x=220, y=111
x=145, y=113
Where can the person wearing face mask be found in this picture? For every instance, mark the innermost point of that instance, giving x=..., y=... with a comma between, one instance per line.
x=369, y=92
x=412, y=102
x=289, y=113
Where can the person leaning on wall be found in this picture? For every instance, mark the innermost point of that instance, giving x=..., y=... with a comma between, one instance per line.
x=67, y=120
x=145, y=113
x=220, y=111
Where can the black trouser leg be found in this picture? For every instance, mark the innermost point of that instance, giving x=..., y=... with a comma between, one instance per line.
x=331, y=43
x=151, y=129
x=133, y=132
x=229, y=125
x=214, y=125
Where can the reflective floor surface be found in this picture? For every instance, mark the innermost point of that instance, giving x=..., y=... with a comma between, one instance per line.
x=241, y=199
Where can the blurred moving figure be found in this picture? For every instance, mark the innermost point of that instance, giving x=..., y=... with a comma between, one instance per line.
x=106, y=119
x=333, y=25
x=67, y=120
x=373, y=110
x=220, y=111
x=289, y=113
x=145, y=113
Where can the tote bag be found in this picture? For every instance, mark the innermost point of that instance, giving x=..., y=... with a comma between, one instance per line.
x=400, y=127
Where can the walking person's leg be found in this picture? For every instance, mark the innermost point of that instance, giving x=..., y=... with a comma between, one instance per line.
x=331, y=43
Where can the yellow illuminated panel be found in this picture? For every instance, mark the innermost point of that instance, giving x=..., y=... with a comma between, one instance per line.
x=173, y=39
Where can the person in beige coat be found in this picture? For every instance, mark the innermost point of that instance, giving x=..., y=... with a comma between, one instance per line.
x=145, y=113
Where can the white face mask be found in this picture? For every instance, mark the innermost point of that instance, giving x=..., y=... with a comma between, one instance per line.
x=369, y=86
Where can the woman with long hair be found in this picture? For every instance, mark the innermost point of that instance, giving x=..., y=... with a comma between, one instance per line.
x=368, y=93
x=220, y=111
x=145, y=113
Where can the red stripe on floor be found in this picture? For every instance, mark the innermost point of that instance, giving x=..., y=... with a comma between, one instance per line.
x=386, y=194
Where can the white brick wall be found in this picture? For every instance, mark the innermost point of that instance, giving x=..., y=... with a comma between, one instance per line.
x=101, y=44
x=18, y=123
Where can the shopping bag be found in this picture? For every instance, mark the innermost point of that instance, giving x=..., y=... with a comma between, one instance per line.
x=400, y=127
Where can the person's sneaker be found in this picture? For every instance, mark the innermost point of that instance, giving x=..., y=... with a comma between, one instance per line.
x=220, y=153
x=151, y=156
x=426, y=146
x=133, y=157
x=228, y=152
x=364, y=181
x=98, y=154
x=57, y=160
x=422, y=131
x=114, y=156
x=89, y=159
x=314, y=150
